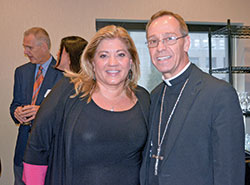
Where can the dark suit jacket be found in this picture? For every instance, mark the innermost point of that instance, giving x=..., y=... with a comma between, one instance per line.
x=22, y=95
x=206, y=142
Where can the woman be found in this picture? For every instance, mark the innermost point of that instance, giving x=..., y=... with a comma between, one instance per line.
x=69, y=54
x=92, y=131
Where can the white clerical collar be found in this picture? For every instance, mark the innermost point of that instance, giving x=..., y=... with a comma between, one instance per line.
x=167, y=81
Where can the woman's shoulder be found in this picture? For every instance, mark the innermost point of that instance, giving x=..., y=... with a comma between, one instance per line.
x=64, y=85
x=142, y=94
x=62, y=90
x=141, y=91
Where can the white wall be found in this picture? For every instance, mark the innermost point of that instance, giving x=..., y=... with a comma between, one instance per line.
x=77, y=17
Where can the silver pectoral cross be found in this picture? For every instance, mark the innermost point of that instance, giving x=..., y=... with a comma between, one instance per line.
x=157, y=157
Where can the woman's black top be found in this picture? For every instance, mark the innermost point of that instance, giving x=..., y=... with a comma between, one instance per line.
x=109, y=146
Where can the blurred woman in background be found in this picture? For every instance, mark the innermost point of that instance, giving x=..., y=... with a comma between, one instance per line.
x=69, y=54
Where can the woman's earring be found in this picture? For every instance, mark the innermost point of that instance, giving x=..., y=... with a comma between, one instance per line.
x=130, y=73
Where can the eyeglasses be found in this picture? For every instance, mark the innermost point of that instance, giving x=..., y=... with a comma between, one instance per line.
x=167, y=41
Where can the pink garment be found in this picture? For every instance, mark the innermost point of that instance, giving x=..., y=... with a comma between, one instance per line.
x=34, y=174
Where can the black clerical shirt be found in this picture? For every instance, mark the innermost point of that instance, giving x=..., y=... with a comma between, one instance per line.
x=172, y=92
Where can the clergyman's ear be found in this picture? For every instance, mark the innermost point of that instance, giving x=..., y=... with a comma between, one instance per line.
x=186, y=43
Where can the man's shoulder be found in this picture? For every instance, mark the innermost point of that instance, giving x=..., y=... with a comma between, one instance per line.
x=25, y=66
x=25, y=69
x=157, y=89
x=209, y=82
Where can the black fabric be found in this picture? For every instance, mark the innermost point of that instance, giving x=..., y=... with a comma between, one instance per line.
x=56, y=140
x=109, y=146
x=171, y=94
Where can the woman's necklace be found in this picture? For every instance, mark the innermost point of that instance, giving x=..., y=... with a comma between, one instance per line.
x=114, y=103
x=160, y=139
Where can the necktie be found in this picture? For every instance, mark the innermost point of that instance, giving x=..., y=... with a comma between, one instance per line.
x=37, y=84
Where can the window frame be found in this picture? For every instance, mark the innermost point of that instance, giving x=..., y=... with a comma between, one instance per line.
x=140, y=25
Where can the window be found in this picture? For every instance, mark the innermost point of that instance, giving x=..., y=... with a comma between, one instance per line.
x=150, y=77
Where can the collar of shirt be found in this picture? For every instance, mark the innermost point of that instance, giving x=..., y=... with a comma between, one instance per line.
x=45, y=66
x=167, y=81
